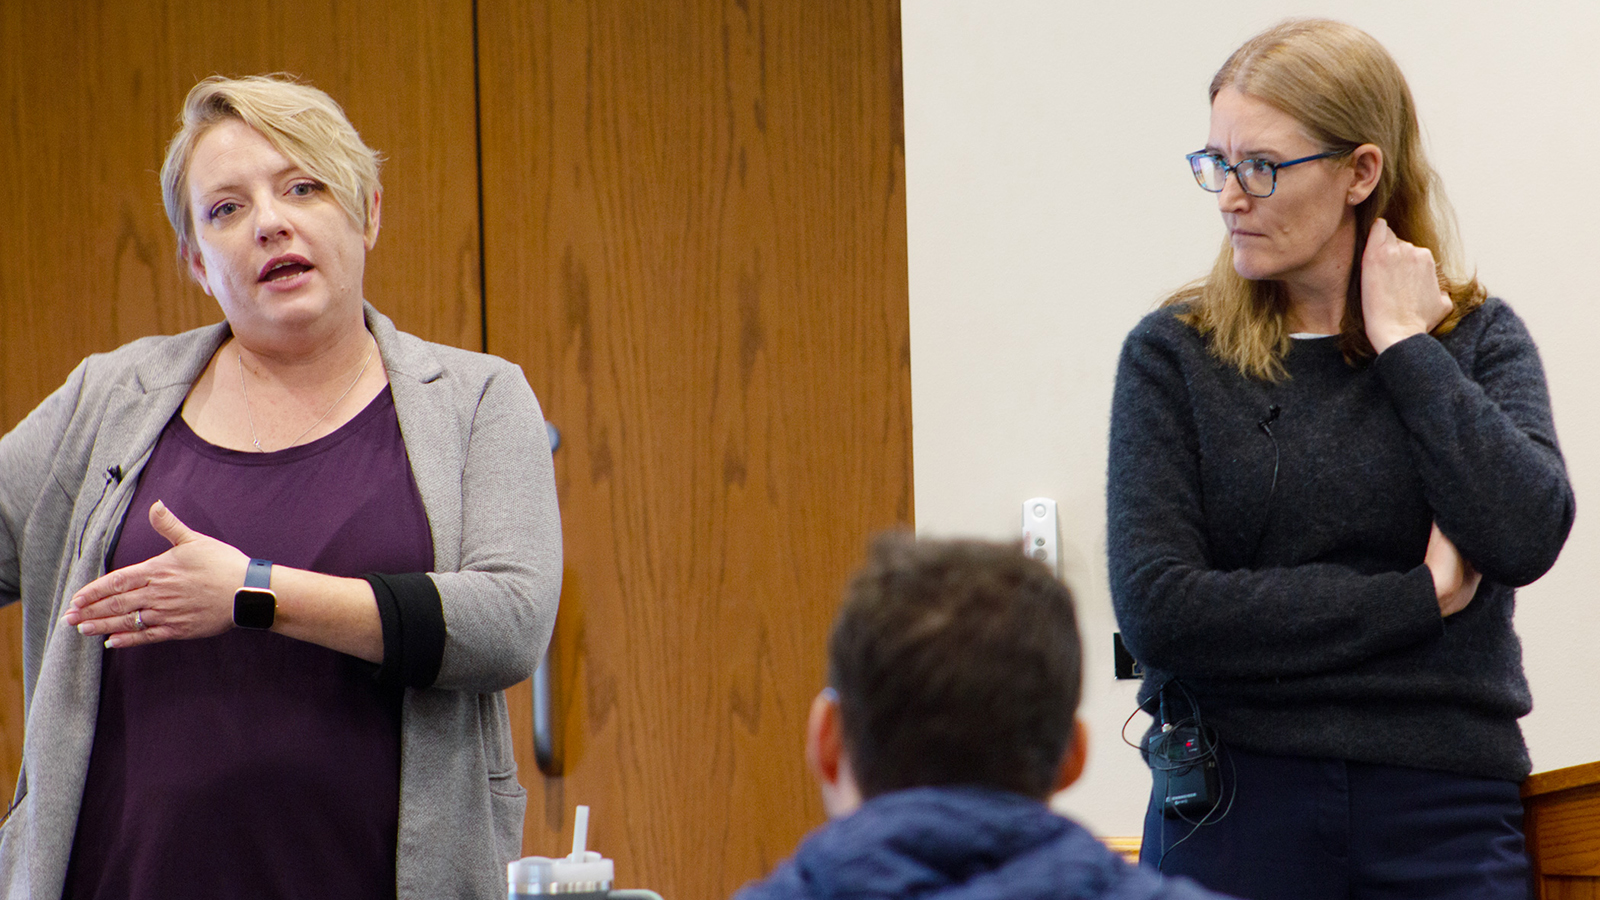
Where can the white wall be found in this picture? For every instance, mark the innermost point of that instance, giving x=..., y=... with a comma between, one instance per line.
x=1050, y=207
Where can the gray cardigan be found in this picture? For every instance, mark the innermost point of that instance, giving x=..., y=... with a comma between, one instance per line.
x=479, y=452
x=1280, y=576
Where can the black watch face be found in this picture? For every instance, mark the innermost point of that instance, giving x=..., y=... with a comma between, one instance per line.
x=253, y=608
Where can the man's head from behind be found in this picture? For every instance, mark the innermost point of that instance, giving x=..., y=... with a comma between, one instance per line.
x=950, y=663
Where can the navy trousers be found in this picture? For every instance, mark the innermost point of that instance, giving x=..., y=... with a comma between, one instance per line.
x=1326, y=829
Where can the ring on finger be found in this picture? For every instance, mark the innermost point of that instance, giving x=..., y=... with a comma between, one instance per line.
x=138, y=621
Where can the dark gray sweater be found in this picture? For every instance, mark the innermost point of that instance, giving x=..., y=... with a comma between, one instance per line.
x=1301, y=616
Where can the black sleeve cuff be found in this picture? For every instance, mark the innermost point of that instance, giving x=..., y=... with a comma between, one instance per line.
x=413, y=628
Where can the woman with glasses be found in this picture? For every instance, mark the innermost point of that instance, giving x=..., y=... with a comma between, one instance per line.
x=1331, y=461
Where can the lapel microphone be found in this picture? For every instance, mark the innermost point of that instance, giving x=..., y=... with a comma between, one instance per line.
x=1277, y=457
x=1272, y=416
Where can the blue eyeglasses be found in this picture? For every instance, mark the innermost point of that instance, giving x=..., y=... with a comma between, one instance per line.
x=1258, y=177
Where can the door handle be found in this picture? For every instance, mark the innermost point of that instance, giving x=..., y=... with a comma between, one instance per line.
x=544, y=731
x=544, y=714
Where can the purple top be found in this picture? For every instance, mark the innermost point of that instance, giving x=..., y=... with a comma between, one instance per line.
x=251, y=764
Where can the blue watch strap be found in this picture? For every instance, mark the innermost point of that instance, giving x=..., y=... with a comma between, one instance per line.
x=258, y=574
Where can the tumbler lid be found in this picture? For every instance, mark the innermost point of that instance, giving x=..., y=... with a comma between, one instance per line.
x=581, y=872
x=540, y=875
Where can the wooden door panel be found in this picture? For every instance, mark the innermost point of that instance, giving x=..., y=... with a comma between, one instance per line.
x=90, y=94
x=694, y=237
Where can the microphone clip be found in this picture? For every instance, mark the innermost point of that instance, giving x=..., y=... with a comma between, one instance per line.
x=1272, y=416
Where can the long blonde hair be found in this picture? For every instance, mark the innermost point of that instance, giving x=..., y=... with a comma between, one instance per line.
x=1345, y=90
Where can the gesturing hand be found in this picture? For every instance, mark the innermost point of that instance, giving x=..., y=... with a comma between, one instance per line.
x=1400, y=293
x=186, y=592
x=1454, y=580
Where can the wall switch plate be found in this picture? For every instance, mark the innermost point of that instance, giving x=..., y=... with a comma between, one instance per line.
x=1126, y=666
x=1039, y=534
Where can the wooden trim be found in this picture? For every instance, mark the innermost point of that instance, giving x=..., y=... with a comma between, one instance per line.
x=1554, y=780
x=1561, y=823
x=1126, y=847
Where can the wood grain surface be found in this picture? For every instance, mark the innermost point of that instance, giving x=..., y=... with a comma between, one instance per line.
x=1562, y=825
x=698, y=255
x=1553, y=780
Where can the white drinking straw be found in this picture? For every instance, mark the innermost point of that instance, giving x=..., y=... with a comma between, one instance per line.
x=580, y=833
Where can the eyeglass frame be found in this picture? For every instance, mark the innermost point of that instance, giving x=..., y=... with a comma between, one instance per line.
x=1270, y=165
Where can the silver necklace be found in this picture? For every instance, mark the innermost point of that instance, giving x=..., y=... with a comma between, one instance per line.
x=251, y=419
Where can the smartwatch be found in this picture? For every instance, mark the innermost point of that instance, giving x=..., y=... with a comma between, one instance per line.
x=255, y=605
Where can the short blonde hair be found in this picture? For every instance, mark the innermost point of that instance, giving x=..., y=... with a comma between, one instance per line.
x=300, y=121
x=1345, y=90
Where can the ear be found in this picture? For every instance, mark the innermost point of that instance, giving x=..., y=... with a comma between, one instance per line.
x=1073, y=760
x=1367, y=163
x=197, y=268
x=825, y=756
x=373, y=219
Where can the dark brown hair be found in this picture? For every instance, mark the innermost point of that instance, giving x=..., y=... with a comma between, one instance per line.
x=956, y=662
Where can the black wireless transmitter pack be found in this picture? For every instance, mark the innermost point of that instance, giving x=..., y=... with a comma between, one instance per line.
x=1183, y=762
